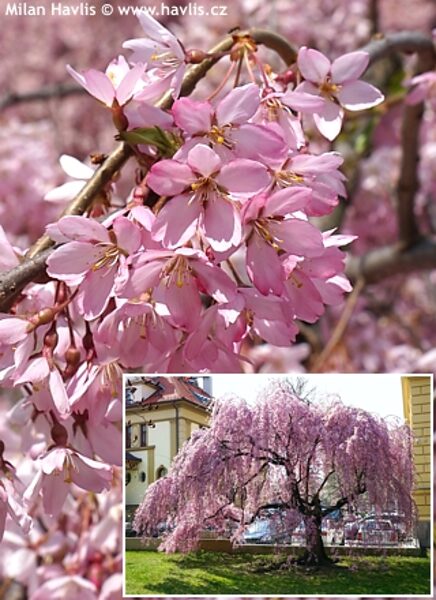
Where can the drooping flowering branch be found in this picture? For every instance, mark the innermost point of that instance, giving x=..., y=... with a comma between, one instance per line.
x=408, y=42
x=13, y=282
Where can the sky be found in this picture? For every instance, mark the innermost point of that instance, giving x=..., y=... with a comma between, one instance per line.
x=379, y=394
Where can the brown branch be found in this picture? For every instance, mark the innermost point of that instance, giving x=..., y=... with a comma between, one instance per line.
x=408, y=42
x=385, y=262
x=13, y=281
x=341, y=326
x=46, y=92
x=408, y=183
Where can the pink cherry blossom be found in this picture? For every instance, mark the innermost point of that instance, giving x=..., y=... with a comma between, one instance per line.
x=205, y=193
x=116, y=86
x=58, y=469
x=78, y=171
x=338, y=84
x=273, y=232
x=227, y=127
x=176, y=277
x=96, y=259
x=163, y=53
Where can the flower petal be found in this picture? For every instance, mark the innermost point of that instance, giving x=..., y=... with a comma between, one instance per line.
x=313, y=65
x=95, y=291
x=129, y=84
x=349, y=67
x=59, y=394
x=264, y=267
x=298, y=237
x=127, y=233
x=359, y=95
x=95, y=83
x=239, y=105
x=170, y=177
x=83, y=229
x=204, y=160
x=75, y=168
x=329, y=121
x=244, y=177
x=73, y=260
x=177, y=221
x=192, y=116
x=221, y=223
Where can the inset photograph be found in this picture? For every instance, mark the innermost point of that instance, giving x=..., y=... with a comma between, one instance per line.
x=278, y=485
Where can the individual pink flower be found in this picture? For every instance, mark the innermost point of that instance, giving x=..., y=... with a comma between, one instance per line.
x=176, y=278
x=96, y=258
x=273, y=231
x=58, y=469
x=227, y=127
x=423, y=87
x=213, y=344
x=319, y=173
x=163, y=53
x=339, y=85
x=139, y=333
x=116, y=86
x=277, y=110
x=269, y=317
x=44, y=372
x=204, y=191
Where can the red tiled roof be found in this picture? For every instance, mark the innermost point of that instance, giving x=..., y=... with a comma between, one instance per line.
x=169, y=389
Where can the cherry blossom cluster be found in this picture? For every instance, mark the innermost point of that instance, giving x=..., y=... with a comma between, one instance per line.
x=227, y=250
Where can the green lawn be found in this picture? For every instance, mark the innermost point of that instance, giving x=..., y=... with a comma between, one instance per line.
x=155, y=573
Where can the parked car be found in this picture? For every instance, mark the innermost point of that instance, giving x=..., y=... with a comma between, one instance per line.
x=376, y=531
x=397, y=520
x=266, y=531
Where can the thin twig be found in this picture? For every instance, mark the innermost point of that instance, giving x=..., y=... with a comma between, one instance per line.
x=341, y=326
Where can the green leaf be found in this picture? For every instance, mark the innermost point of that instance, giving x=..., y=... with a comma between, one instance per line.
x=165, y=142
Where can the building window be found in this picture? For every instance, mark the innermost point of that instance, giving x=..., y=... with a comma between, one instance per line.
x=161, y=472
x=142, y=476
x=143, y=434
x=128, y=436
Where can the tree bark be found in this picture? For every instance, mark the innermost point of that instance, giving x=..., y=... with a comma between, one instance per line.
x=315, y=554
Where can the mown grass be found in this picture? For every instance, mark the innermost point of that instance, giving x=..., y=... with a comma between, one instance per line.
x=200, y=573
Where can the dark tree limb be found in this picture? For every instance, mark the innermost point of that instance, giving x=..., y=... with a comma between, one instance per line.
x=409, y=42
x=46, y=92
x=408, y=184
x=385, y=262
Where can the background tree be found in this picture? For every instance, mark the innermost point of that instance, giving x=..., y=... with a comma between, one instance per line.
x=279, y=453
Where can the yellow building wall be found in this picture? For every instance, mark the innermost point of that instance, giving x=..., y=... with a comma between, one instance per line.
x=417, y=412
x=161, y=440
